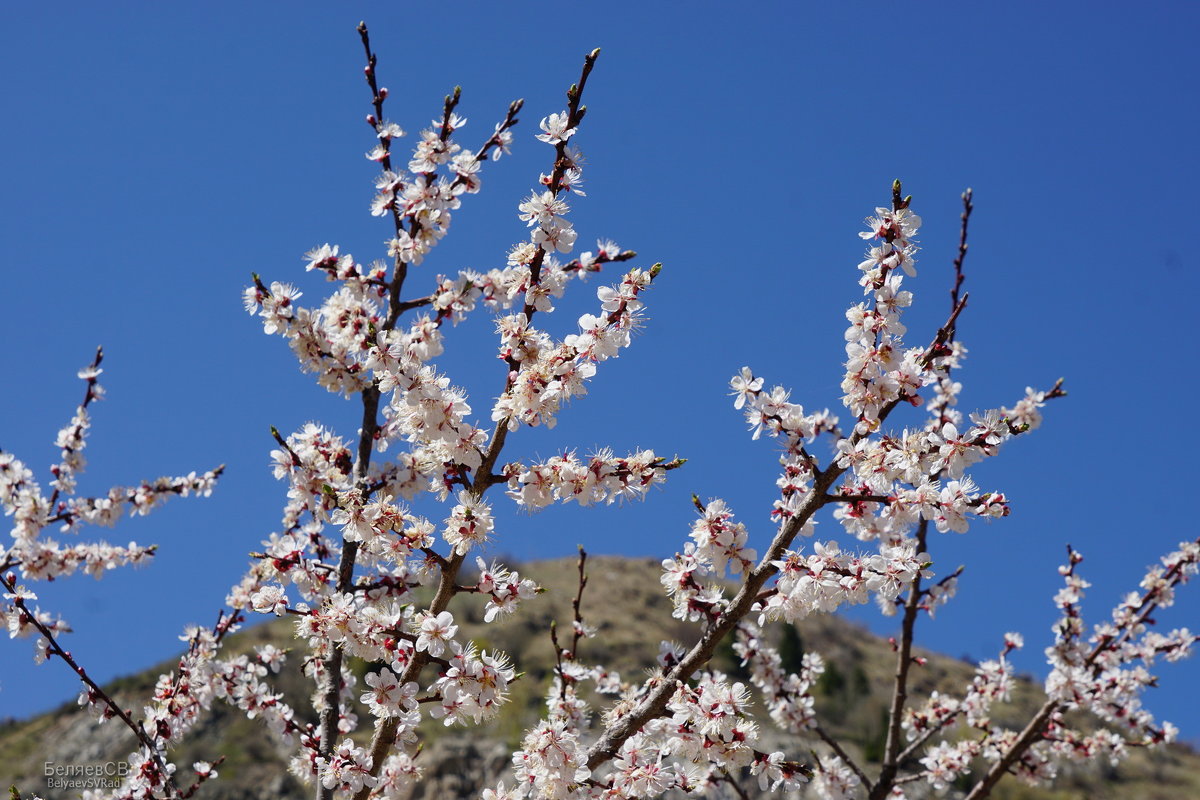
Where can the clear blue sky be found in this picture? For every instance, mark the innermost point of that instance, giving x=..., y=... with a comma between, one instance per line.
x=155, y=155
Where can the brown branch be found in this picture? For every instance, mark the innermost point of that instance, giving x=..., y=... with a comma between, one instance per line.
x=859, y=498
x=396, y=306
x=562, y=163
x=956, y=305
x=842, y=754
x=578, y=617
x=331, y=690
x=385, y=733
x=420, y=302
x=287, y=448
x=738, y=790
x=1031, y=733
x=558, y=659
x=576, y=625
x=332, y=665
x=912, y=606
x=191, y=790
x=94, y=689
x=945, y=334
x=943, y=581
x=399, y=267
x=968, y=207
x=575, y=265
x=385, y=582
x=435, y=556
x=294, y=561
x=70, y=514
x=1036, y=727
x=88, y=397
x=377, y=95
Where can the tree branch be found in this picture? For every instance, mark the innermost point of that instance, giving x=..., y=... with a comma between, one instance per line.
x=837, y=748
x=1034, y=730
x=912, y=606
x=94, y=689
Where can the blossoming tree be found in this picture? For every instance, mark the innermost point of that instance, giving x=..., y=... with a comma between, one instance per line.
x=366, y=579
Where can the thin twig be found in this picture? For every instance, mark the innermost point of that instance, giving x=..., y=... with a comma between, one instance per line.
x=577, y=626
x=968, y=207
x=842, y=754
x=191, y=790
x=94, y=689
x=738, y=790
x=562, y=163
x=88, y=397
x=575, y=603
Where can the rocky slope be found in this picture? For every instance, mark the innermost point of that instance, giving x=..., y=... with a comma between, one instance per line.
x=458, y=763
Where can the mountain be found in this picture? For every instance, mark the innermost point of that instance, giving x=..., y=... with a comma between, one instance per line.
x=851, y=701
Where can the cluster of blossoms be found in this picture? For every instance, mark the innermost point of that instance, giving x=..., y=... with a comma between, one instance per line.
x=693, y=598
x=551, y=762
x=1107, y=673
x=473, y=687
x=787, y=696
x=505, y=589
x=604, y=478
x=704, y=734
x=182, y=698
x=350, y=557
x=824, y=580
x=834, y=779
x=878, y=368
x=544, y=373
x=33, y=511
x=32, y=556
x=707, y=732
x=718, y=545
x=947, y=760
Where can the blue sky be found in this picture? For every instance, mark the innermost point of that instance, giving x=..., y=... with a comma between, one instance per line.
x=154, y=155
